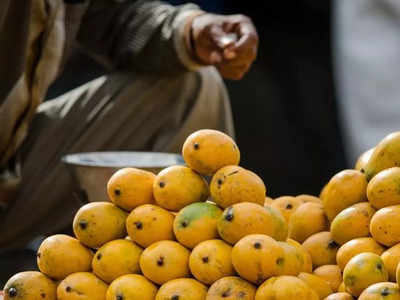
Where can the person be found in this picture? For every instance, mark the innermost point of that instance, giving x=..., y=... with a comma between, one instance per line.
x=163, y=83
x=366, y=59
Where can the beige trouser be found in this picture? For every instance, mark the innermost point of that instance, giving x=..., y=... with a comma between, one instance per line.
x=116, y=112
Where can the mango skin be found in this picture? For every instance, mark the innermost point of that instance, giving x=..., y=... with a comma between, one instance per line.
x=82, y=286
x=61, y=255
x=308, y=219
x=257, y=257
x=196, y=223
x=148, y=224
x=363, y=159
x=233, y=184
x=339, y=296
x=237, y=288
x=307, y=261
x=309, y=198
x=385, y=155
x=350, y=186
x=211, y=260
x=357, y=246
x=322, y=248
x=384, y=189
x=30, y=285
x=164, y=261
x=116, y=258
x=352, y=222
x=129, y=188
x=293, y=260
x=381, y=291
x=207, y=151
x=362, y=271
x=132, y=286
x=246, y=218
x=178, y=186
x=319, y=285
x=285, y=288
x=93, y=233
x=287, y=205
x=332, y=274
x=385, y=225
x=184, y=288
x=391, y=258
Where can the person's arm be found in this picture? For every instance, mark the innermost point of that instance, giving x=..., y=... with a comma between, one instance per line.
x=142, y=35
x=153, y=36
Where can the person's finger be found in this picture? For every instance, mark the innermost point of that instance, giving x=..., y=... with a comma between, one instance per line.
x=215, y=58
x=219, y=37
x=248, y=39
x=233, y=72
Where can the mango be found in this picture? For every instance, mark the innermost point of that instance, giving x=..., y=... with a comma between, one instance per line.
x=357, y=246
x=385, y=225
x=207, y=151
x=352, y=222
x=340, y=296
x=93, y=233
x=285, y=288
x=363, y=160
x=30, y=285
x=319, y=285
x=287, y=205
x=196, y=223
x=381, y=291
x=309, y=198
x=331, y=274
x=116, y=258
x=384, y=189
x=307, y=220
x=130, y=187
x=346, y=188
x=268, y=201
x=342, y=288
x=164, y=261
x=391, y=258
x=178, y=186
x=362, y=271
x=211, y=260
x=293, y=260
x=82, y=286
x=231, y=288
x=385, y=155
x=148, y=223
x=257, y=257
x=247, y=218
x=322, y=248
x=234, y=184
x=307, y=261
x=182, y=289
x=131, y=286
x=60, y=255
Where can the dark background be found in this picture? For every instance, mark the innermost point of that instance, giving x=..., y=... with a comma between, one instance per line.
x=285, y=108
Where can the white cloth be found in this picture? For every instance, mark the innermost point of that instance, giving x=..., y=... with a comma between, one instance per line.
x=367, y=64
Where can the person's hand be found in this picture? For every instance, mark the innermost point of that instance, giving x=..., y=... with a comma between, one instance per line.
x=229, y=43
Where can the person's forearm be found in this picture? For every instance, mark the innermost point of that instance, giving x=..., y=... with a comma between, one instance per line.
x=144, y=35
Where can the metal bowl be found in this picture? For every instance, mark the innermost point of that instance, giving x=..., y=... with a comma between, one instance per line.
x=92, y=170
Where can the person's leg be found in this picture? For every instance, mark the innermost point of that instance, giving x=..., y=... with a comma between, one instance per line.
x=118, y=112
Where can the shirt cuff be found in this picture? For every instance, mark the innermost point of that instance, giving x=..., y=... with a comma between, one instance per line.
x=181, y=32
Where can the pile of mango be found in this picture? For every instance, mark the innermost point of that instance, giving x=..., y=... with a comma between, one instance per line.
x=207, y=231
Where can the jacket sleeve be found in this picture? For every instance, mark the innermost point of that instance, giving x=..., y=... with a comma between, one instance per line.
x=138, y=35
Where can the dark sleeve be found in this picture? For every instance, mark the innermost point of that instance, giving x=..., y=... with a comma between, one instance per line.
x=138, y=35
